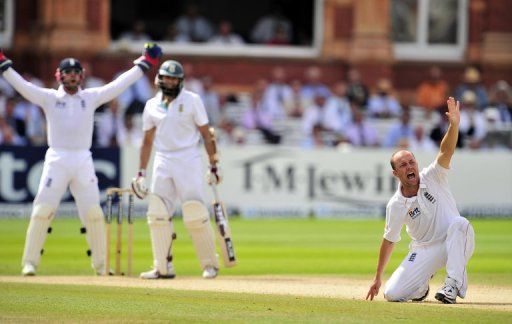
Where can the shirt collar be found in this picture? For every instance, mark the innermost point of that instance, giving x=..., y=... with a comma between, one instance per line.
x=409, y=200
x=61, y=93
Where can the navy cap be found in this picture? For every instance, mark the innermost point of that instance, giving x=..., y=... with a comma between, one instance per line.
x=70, y=63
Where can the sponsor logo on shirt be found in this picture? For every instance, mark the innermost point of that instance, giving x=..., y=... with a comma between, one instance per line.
x=60, y=104
x=82, y=103
x=413, y=213
x=412, y=257
x=429, y=197
x=48, y=182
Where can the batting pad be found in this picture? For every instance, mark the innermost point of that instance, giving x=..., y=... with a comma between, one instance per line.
x=197, y=222
x=95, y=235
x=161, y=229
x=40, y=220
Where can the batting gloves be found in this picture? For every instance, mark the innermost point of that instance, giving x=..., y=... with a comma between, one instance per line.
x=214, y=175
x=5, y=63
x=150, y=57
x=139, y=187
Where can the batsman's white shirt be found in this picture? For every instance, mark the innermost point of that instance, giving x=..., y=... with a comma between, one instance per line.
x=70, y=121
x=428, y=215
x=178, y=166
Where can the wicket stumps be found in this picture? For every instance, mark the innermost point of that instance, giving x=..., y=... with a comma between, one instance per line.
x=111, y=193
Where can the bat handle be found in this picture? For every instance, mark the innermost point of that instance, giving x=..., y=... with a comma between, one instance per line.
x=215, y=192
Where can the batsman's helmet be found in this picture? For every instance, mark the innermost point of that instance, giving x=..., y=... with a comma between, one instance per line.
x=172, y=69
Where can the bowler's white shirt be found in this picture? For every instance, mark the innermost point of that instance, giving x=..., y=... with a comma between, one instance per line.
x=428, y=215
x=176, y=123
x=70, y=118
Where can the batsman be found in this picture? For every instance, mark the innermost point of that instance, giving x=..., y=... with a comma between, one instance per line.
x=174, y=121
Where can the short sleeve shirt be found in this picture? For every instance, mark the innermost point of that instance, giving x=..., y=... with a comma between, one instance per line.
x=428, y=215
x=176, y=122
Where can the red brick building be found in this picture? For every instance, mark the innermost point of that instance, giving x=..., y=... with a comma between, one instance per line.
x=347, y=33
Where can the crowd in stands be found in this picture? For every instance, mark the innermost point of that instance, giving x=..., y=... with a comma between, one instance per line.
x=192, y=27
x=303, y=112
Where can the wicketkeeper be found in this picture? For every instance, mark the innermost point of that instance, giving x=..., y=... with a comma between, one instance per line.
x=68, y=162
x=441, y=237
x=174, y=121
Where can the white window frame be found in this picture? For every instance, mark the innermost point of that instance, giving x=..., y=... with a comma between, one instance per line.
x=421, y=50
x=7, y=34
x=246, y=50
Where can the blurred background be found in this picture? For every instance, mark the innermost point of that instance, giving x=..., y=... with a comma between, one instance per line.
x=309, y=97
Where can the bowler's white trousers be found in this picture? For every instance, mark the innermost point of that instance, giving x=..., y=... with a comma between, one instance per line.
x=410, y=280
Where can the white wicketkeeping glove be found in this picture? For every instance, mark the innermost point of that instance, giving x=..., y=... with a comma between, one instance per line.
x=139, y=187
x=214, y=175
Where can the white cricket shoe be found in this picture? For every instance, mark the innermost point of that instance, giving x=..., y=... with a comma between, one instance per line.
x=28, y=270
x=448, y=294
x=155, y=274
x=210, y=272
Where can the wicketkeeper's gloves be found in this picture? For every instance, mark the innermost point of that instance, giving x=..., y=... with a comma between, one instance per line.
x=150, y=57
x=5, y=63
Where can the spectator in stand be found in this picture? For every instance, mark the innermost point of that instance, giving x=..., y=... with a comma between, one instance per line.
x=192, y=81
x=438, y=131
x=501, y=95
x=280, y=36
x=109, y=125
x=136, y=34
x=316, y=139
x=34, y=130
x=357, y=91
x=90, y=80
x=315, y=114
x=472, y=125
x=431, y=94
x=226, y=36
x=314, y=84
x=383, y=104
x=192, y=24
x=172, y=35
x=338, y=112
x=402, y=129
x=211, y=102
x=230, y=133
x=8, y=136
x=128, y=134
x=296, y=105
x=14, y=116
x=472, y=81
x=6, y=89
x=277, y=93
x=257, y=116
x=420, y=142
x=265, y=28
x=361, y=132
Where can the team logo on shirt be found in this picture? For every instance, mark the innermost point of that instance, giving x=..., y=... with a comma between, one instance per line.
x=412, y=257
x=429, y=197
x=413, y=213
x=82, y=103
x=60, y=104
x=180, y=108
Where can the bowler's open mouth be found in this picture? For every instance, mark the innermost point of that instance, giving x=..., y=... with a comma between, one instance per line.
x=411, y=176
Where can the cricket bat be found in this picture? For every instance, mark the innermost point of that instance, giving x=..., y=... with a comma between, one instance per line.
x=223, y=230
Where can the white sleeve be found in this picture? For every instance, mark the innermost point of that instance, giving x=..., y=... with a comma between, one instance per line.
x=394, y=222
x=29, y=91
x=115, y=88
x=435, y=172
x=200, y=116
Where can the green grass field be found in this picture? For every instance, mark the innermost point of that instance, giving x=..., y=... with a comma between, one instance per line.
x=277, y=247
